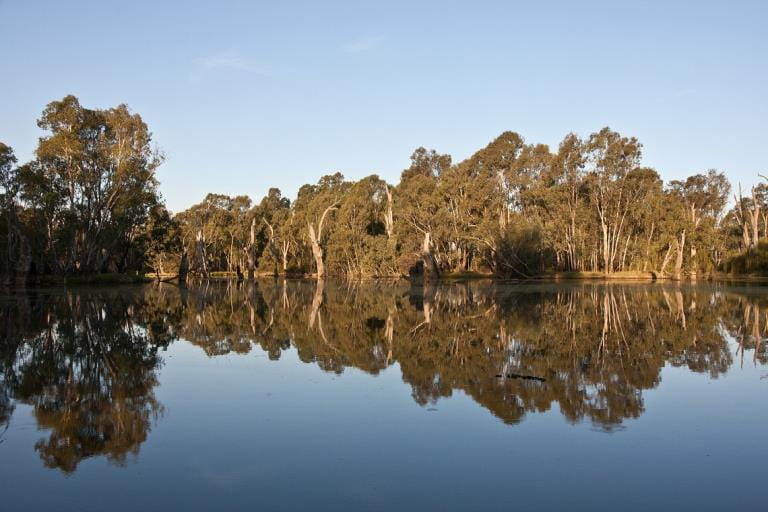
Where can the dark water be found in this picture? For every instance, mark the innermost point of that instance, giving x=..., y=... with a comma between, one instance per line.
x=382, y=396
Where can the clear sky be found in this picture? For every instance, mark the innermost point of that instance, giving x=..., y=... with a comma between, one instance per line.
x=242, y=96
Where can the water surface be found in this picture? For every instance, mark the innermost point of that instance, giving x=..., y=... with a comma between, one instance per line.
x=298, y=395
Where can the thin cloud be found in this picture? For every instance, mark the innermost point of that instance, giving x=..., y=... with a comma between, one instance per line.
x=221, y=62
x=363, y=45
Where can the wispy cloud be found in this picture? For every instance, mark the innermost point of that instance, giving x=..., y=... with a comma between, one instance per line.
x=221, y=62
x=363, y=44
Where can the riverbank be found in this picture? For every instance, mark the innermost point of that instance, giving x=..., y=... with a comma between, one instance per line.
x=79, y=280
x=119, y=279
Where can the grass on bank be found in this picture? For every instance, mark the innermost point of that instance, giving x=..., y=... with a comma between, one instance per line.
x=92, y=279
x=625, y=274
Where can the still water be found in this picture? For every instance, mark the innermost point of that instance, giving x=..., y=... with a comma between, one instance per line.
x=298, y=395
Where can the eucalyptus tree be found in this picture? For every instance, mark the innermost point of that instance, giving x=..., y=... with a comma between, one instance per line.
x=162, y=241
x=704, y=197
x=238, y=230
x=267, y=233
x=209, y=229
x=419, y=210
x=562, y=193
x=82, y=204
x=610, y=160
x=9, y=186
x=284, y=238
x=646, y=189
x=480, y=194
x=748, y=212
x=526, y=249
x=760, y=195
x=360, y=242
x=649, y=228
x=101, y=164
x=314, y=209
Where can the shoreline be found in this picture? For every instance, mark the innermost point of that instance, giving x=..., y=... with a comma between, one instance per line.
x=128, y=279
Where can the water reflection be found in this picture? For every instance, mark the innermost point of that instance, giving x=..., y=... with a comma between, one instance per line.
x=88, y=362
x=88, y=366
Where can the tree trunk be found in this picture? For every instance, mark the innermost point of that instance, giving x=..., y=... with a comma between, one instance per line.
x=665, y=262
x=251, y=248
x=648, y=247
x=315, y=237
x=693, y=262
x=201, y=264
x=680, y=253
x=755, y=218
x=624, y=254
x=606, y=249
x=284, y=251
x=317, y=252
x=389, y=222
x=745, y=234
x=231, y=258
x=430, y=265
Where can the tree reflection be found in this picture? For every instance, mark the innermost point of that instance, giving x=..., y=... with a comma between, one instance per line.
x=588, y=349
x=88, y=367
x=87, y=362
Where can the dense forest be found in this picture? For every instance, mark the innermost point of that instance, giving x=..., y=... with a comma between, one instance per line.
x=88, y=203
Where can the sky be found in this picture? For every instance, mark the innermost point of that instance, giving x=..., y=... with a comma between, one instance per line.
x=244, y=96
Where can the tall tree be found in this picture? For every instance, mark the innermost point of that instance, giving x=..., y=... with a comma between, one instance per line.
x=610, y=159
x=704, y=197
x=9, y=184
x=103, y=165
x=314, y=207
x=419, y=209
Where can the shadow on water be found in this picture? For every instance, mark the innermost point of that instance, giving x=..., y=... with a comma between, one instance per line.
x=88, y=361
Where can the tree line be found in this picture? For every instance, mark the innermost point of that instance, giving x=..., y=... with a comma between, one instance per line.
x=89, y=203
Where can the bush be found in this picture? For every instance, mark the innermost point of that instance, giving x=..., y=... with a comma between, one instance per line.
x=521, y=252
x=751, y=261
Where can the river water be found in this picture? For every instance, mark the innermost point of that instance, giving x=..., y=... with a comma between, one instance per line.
x=382, y=395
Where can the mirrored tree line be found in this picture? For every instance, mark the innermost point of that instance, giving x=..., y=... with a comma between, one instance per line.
x=88, y=367
x=88, y=363
x=89, y=203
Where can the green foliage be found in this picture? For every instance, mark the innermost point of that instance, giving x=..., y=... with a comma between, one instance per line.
x=88, y=203
x=751, y=261
x=82, y=205
x=522, y=251
x=8, y=228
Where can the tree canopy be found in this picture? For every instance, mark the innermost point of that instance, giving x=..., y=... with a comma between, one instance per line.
x=89, y=203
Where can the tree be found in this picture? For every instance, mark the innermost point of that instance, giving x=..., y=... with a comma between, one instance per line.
x=272, y=214
x=610, y=159
x=162, y=240
x=9, y=185
x=360, y=243
x=314, y=208
x=562, y=194
x=704, y=197
x=101, y=164
x=419, y=210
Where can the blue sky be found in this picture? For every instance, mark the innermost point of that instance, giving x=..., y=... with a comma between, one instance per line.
x=242, y=96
